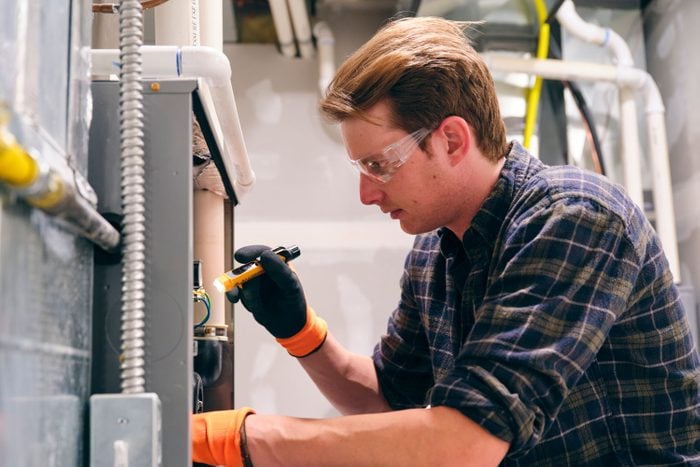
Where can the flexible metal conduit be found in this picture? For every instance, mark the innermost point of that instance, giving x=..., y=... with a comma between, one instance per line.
x=133, y=199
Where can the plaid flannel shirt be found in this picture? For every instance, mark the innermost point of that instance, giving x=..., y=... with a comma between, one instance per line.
x=554, y=324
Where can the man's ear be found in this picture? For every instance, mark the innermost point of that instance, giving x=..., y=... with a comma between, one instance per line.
x=458, y=137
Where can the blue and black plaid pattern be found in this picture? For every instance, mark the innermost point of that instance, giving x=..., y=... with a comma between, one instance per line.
x=554, y=323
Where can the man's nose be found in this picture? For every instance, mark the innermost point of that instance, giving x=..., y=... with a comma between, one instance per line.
x=370, y=191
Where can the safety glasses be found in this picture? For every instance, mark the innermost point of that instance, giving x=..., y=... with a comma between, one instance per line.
x=382, y=167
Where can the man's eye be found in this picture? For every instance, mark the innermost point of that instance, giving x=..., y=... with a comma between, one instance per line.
x=375, y=167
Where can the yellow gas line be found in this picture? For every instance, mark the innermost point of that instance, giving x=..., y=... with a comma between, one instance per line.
x=44, y=188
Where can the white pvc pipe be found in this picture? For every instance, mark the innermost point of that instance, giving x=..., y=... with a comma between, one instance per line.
x=211, y=14
x=626, y=79
x=663, y=195
x=302, y=28
x=214, y=68
x=173, y=23
x=283, y=27
x=552, y=69
x=195, y=21
x=631, y=150
x=604, y=37
x=325, y=43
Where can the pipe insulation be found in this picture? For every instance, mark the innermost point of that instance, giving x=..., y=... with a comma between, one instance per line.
x=213, y=67
x=627, y=79
x=133, y=197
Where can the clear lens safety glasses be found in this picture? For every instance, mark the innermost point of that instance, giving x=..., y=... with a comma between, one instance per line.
x=383, y=166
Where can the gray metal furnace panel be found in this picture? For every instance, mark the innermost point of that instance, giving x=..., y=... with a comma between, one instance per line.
x=168, y=148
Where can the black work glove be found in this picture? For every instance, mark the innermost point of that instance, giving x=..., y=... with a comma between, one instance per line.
x=276, y=298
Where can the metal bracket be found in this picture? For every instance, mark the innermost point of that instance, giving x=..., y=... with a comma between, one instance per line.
x=125, y=430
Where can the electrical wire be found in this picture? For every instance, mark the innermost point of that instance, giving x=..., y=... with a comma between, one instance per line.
x=553, y=11
x=415, y=6
x=200, y=295
x=114, y=7
x=586, y=115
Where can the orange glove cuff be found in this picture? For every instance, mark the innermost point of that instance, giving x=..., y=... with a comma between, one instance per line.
x=216, y=437
x=309, y=339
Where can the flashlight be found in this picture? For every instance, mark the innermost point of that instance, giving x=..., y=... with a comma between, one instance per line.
x=242, y=274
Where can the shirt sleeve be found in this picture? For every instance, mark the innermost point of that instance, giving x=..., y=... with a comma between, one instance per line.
x=402, y=357
x=562, y=277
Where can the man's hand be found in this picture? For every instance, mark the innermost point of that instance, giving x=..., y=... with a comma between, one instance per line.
x=276, y=300
x=216, y=437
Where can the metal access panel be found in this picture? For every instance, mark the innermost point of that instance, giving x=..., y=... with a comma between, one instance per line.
x=168, y=159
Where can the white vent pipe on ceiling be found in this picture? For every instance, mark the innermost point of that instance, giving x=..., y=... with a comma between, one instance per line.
x=302, y=28
x=292, y=25
x=283, y=26
x=573, y=24
x=291, y=20
x=631, y=80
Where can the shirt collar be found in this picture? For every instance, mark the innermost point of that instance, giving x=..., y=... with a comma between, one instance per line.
x=483, y=232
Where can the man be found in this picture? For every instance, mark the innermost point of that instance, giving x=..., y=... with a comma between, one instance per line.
x=538, y=322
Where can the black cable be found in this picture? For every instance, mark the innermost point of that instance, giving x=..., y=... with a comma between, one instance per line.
x=410, y=12
x=582, y=104
x=579, y=99
x=415, y=5
x=553, y=11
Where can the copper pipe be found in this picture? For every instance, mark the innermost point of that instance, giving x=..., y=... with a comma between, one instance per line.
x=114, y=7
